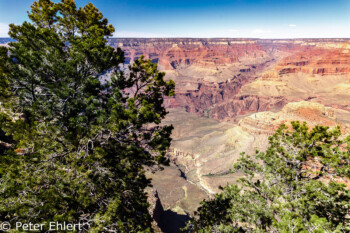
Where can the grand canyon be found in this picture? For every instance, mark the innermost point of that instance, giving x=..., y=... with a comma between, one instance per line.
x=230, y=96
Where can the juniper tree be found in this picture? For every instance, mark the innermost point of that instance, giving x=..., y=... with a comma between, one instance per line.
x=296, y=185
x=78, y=146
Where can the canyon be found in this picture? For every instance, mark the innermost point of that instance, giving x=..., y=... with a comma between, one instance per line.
x=230, y=96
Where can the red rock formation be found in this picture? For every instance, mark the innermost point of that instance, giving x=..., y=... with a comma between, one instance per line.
x=199, y=54
x=317, y=60
x=241, y=105
x=221, y=100
x=208, y=95
x=171, y=53
x=303, y=111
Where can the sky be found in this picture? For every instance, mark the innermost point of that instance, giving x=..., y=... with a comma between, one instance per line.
x=210, y=18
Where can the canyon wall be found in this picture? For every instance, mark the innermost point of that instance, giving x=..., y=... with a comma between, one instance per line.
x=229, y=78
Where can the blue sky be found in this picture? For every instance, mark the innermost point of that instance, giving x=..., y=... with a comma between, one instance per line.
x=214, y=18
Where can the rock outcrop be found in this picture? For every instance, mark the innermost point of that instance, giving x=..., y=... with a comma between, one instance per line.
x=155, y=209
x=174, y=53
x=326, y=60
x=245, y=104
x=304, y=111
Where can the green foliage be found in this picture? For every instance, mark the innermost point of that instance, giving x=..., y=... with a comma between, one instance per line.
x=78, y=146
x=295, y=186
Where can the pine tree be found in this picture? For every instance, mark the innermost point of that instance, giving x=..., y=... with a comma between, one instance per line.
x=297, y=185
x=77, y=145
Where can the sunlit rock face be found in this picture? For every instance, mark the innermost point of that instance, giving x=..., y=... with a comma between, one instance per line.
x=171, y=54
x=229, y=78
x=323, y=59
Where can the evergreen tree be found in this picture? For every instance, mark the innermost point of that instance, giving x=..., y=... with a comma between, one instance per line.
x=77, y=146
x=297, y=185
